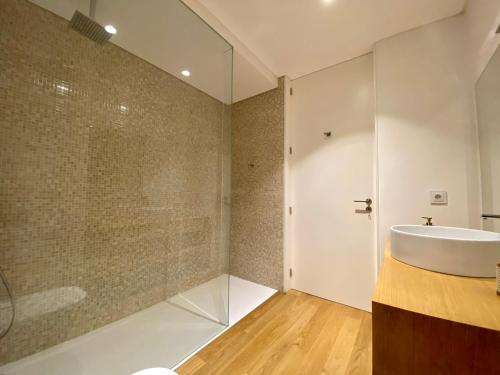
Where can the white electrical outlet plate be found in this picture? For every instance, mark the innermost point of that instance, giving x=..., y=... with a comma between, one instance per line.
x=438, y=197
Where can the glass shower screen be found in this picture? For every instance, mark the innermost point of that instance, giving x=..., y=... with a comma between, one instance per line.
x=115, y=184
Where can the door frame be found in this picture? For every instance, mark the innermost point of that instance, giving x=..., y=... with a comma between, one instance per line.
x=287, y=201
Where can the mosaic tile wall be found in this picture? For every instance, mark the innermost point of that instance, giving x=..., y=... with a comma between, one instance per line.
x=257, y=188
x=110, y=181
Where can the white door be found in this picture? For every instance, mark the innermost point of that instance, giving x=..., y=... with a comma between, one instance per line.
x=333, y=247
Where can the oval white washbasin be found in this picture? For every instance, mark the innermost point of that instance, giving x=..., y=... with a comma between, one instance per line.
x=456, y=251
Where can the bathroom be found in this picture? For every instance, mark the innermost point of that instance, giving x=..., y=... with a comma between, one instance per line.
x=249, y=187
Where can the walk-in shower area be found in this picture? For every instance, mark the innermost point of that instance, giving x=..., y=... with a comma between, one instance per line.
x=115, y=189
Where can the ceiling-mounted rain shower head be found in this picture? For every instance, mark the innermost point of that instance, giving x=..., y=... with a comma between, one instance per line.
x=88, y=27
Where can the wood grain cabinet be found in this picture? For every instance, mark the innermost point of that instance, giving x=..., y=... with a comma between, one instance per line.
x=427, y=323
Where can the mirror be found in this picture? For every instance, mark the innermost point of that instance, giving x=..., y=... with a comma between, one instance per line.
x=488, y=113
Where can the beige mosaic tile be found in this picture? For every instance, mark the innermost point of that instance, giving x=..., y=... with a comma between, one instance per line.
x=257, y=188
x=110, y=181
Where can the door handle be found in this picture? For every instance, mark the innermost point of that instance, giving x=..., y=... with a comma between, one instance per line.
x=367, y=201
x=490, y=216
x=368, y=209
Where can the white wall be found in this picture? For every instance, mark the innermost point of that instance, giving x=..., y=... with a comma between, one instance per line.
x=426, y=133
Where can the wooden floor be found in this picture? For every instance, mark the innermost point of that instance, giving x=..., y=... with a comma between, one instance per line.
x=292, y=333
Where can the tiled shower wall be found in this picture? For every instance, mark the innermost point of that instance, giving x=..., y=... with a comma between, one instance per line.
x=110, y=181
x=258, y=125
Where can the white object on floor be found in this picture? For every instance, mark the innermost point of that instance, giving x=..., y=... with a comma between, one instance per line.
x=155, y=371
x=158, y=337
x=456, y=251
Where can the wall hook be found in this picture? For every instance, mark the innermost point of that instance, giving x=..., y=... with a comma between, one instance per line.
x=327, y=134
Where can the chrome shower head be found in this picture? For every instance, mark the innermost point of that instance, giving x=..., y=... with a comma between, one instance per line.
x=89, y=28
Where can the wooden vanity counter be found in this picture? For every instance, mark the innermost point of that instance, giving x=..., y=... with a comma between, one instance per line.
x=460, y=299
x=426, y=322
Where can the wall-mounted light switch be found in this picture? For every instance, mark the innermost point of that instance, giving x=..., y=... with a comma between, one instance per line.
x=438, y=197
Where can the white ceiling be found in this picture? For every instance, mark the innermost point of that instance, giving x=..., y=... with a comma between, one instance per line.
x=298, y=37
x=271, y=38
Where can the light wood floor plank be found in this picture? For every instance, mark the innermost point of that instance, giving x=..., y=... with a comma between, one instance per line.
x=292, y=360
x=193, y=365
x=273, y=330
x=259, y=334
x=270, y=358
x=224, y=347
x=293, y=333
x=316, y=357
x=340, y=353
x=361, y=359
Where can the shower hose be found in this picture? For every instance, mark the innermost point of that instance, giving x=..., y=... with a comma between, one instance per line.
x=12, y=302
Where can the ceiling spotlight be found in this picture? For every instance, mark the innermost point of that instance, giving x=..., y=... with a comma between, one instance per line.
x=110, y=29
x=186, y=73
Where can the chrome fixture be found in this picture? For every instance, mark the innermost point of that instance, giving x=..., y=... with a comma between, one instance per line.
x=428, y=221
x=88, y=27
x=368, y=209
x=490, y=216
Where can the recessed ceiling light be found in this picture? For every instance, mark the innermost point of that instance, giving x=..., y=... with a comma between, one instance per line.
x=110, y=29
x=186, y=73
